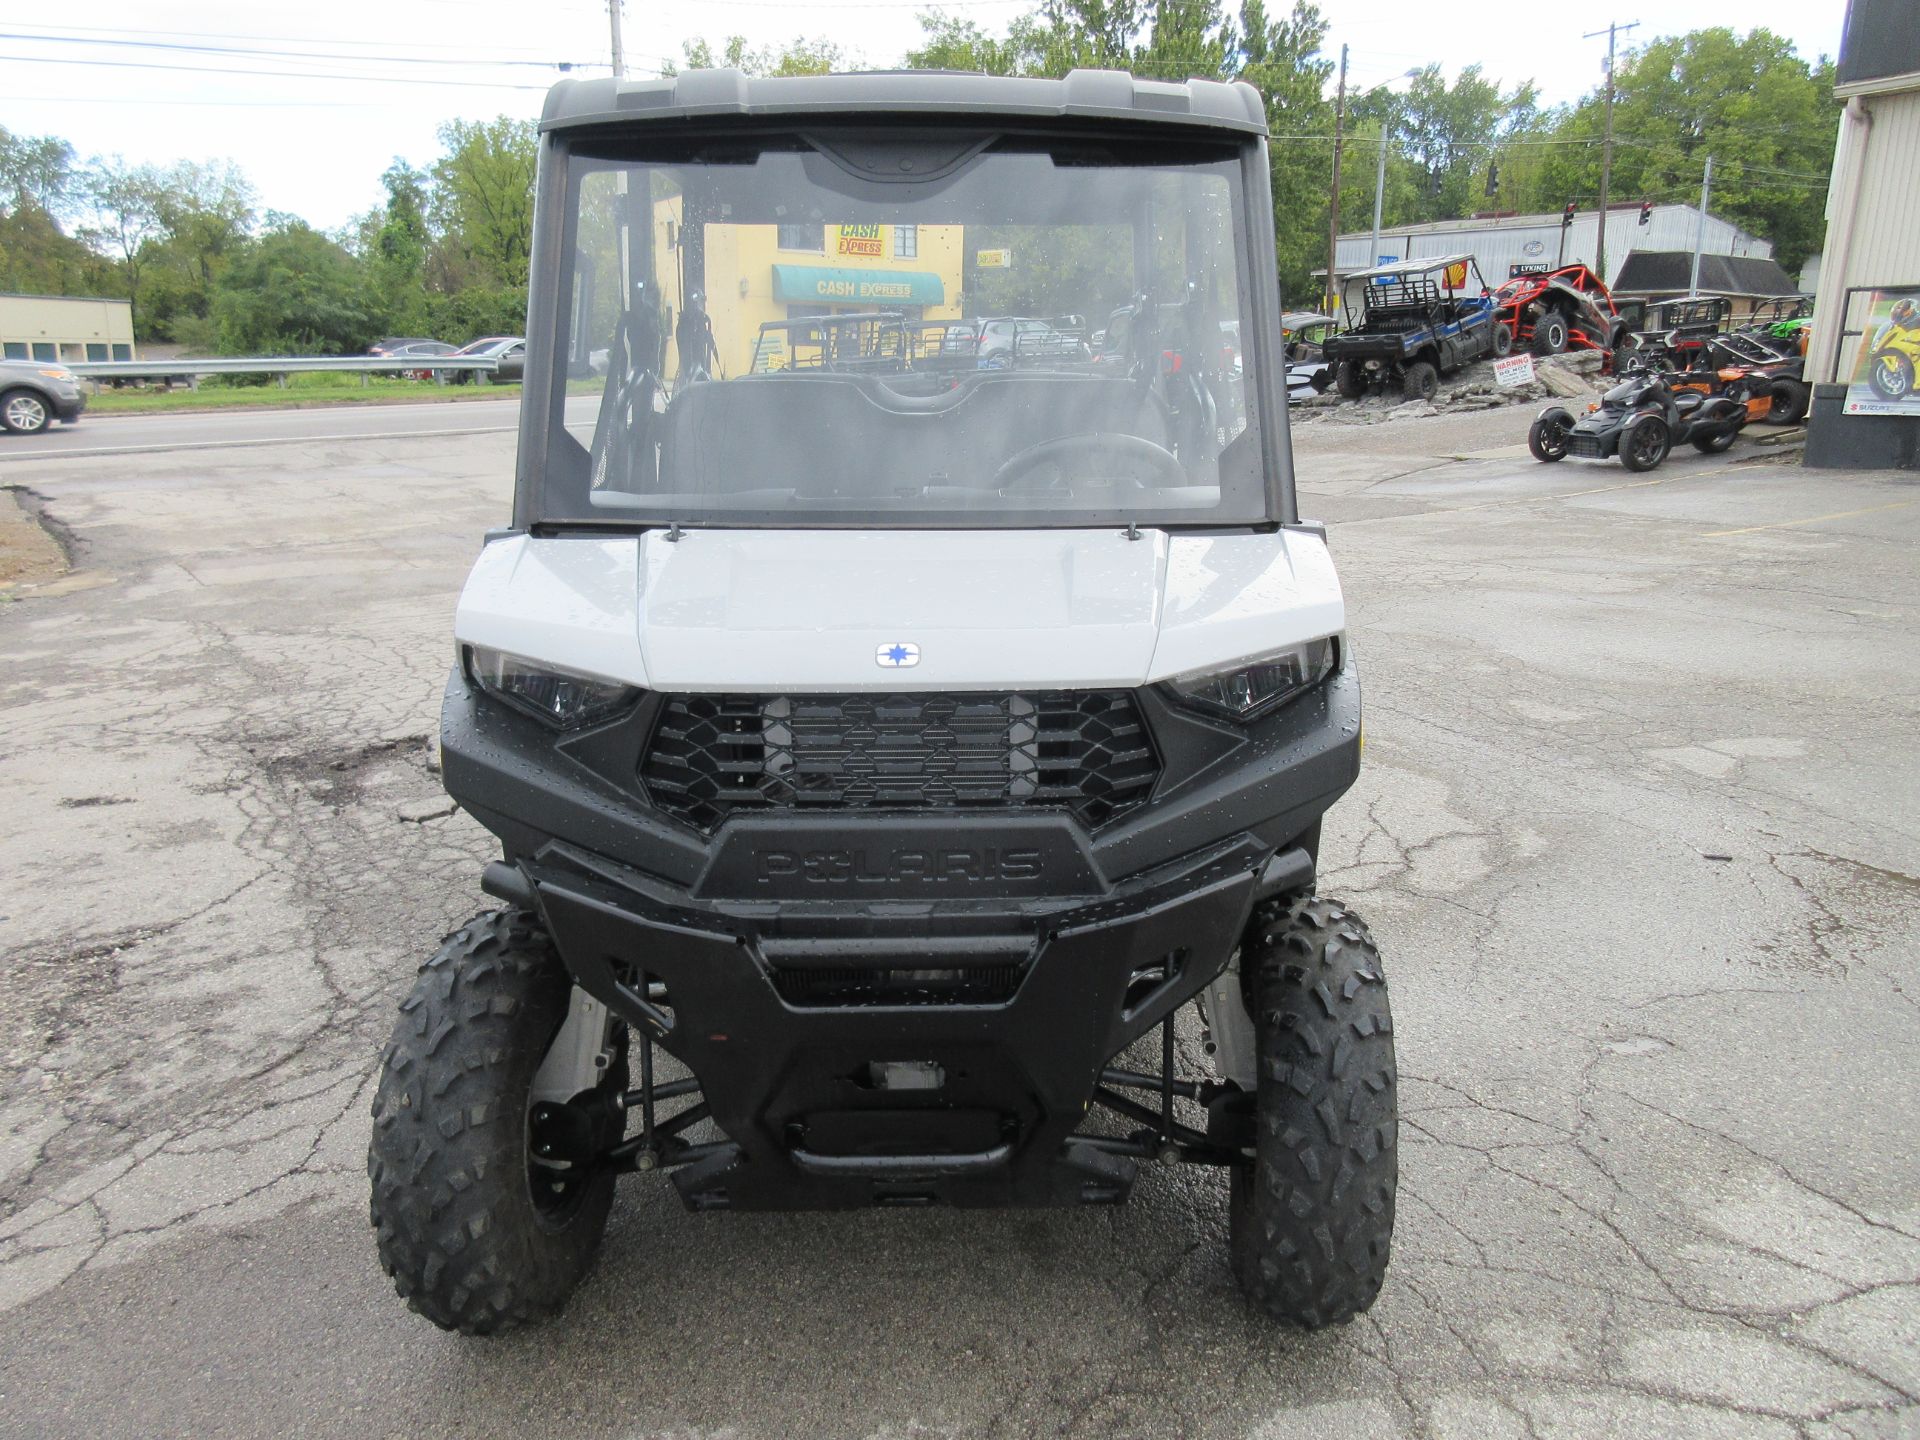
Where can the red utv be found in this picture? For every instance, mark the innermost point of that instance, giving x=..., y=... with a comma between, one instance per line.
x=1548, y=311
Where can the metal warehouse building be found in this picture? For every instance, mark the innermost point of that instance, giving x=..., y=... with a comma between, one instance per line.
x=65, y=327
x=1866, y=340
x=1501, y=242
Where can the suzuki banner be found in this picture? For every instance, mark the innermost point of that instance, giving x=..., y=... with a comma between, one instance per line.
x=1884, y=371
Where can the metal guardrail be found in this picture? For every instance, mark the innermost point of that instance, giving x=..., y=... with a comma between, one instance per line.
x=281, y=365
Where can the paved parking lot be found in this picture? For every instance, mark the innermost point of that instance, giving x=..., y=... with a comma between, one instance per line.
x=1637, y=833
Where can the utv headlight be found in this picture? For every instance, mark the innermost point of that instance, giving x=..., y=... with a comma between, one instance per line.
x=564, y=699
x=1254, y=687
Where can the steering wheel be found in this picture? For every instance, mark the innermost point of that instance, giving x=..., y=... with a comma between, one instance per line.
x=1162, y=461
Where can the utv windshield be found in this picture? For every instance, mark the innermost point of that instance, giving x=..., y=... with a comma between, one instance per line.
x=912, y=329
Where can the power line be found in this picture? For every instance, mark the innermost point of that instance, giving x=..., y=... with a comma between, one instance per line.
x=296, y=54
x=270, y=74
x=268, y=39
x=236, y=104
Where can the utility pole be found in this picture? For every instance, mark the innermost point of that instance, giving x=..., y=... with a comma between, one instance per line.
x=1333, y=211
x=1379, y=191
x=1700, y=229
x=619, y=51
x=1606, y=150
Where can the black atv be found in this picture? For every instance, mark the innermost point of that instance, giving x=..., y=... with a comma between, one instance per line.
x=1641, y=419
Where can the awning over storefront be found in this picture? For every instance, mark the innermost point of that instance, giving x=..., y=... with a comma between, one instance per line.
x=833, y=285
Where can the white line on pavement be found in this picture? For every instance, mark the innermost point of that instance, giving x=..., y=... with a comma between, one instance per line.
x=262, y=440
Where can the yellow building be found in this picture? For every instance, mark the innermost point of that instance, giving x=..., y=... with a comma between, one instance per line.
x=757, y=273
x=65, y=327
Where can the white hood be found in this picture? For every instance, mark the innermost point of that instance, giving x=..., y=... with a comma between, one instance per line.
x=797, y=610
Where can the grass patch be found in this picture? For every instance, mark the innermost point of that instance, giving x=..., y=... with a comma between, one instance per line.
x=311, y=389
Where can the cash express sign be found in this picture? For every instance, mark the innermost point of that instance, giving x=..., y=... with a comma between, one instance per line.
x=863, y=240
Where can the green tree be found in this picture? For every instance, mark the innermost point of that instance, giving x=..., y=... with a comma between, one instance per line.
x=1279, y=55
x=38, y=258
x=1275, y=52
x=798, y=57
x=1447, y=135
x=293, y=292
x=1765, y=115
x=204, y=215
x=482, y=204
x=36, y=172
x=122, y=206
x=38, y=185
x=951, y=43
x=394, y=244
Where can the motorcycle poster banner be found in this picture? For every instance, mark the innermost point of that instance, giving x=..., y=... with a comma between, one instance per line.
x=1884, y=376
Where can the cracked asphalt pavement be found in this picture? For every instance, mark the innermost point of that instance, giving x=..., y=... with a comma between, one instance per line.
x=1636, y=832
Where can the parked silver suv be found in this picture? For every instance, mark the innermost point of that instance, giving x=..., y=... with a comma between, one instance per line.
x=33, y=394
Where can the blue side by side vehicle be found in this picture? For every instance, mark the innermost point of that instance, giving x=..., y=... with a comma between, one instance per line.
x=1413, y=322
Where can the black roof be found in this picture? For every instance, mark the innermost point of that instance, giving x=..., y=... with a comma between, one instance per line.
x=1083, y=94
x=1670, y=272
x=1882, y=39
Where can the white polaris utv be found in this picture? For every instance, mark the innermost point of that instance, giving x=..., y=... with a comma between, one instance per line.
x=883, y=744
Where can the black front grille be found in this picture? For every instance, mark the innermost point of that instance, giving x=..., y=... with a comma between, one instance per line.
x=1586, y=447
x=712, y=756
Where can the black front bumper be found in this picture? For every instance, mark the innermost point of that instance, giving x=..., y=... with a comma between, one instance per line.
x=999, y=959
x=793, y=1076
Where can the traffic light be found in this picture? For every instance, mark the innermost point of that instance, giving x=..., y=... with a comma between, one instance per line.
x=1493, y=179
x=1646, y=212
x=1566, y=215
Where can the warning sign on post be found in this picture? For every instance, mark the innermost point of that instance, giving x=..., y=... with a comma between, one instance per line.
x=1513, y=372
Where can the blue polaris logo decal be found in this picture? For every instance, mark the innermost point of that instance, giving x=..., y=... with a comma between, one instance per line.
x=897, y=655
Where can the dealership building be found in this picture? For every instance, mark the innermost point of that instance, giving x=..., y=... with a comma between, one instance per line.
x=65, y=327
x=1866, y=333
x=1500, y=243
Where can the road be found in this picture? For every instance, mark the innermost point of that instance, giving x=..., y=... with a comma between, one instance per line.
x=105, y=435
x=1637, y=833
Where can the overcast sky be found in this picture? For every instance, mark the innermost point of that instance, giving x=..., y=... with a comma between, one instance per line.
x=313, y=133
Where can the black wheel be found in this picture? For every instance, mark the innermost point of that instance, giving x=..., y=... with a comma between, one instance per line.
x=1322, y=378
x=1891, y=375
x=25, y=412
x=1716, y=443
x=476, y=1236
x=1645, y=443
x=1419, y=381
x=1550, y=333
x=1789, y=403
x=1350, y=379
x=1311, y=1213
x=1502, y=342
x=1547, y=436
